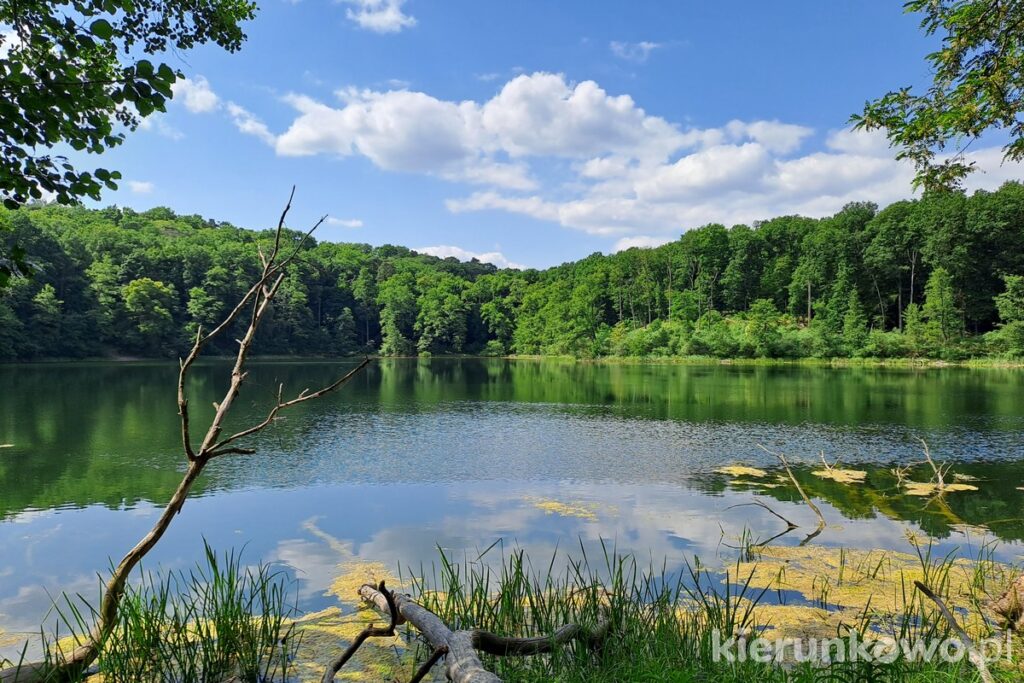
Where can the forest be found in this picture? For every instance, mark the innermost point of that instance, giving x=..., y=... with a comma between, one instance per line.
x=938, y=277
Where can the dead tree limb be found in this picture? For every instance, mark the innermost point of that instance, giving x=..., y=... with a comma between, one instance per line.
x=800, y=490
x=370, y=631
x=976, y=657
x=460, y=647
x=790, y=526
x=258, y=298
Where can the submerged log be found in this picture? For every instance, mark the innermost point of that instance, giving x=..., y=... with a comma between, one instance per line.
x=460, y=647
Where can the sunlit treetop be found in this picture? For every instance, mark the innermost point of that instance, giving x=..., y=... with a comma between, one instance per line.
x=977, y=86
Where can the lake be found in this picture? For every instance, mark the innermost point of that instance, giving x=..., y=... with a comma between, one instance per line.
x=457, y=454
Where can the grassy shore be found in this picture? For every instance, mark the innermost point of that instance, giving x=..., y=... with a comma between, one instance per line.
x=223, y=620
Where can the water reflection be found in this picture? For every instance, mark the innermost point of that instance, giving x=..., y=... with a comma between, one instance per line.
x=416, y=455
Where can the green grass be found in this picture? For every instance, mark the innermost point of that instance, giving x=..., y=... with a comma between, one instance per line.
x=223, y=619
x=219, y=620
x=662, y=625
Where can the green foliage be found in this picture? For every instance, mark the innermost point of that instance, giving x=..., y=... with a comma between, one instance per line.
x=148, y=304
x=855, y=326
x=761, y=334
x=944, y=320
x=75, y=74
x=1010, y=303
x=121, y=282
x=976, y=81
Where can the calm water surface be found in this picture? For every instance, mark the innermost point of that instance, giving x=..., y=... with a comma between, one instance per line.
x=457, y=454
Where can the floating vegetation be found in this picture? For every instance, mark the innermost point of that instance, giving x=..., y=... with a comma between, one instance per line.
x=326, y=633
x=555, y=507
x=842, y=476
x=356, y=572
x=842, y=585
x=918, y=488
x=750, y=482
x=741, y=471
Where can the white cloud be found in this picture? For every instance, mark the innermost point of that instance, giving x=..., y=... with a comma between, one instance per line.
x=381, y=16
x=196, y=94
x=247, y=123
x=156, y=122
x=401, y=131
x=141, y=186
x=640, y=241
x=447, y=251
x=577, y=156
x=344, y=222
x=633, y=52
x=536, y=115
x=775, y=136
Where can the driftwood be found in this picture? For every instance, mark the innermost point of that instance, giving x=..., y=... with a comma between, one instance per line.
x=255, y=303
x=460, y=647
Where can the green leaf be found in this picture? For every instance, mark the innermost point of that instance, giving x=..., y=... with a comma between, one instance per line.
x=102, y=29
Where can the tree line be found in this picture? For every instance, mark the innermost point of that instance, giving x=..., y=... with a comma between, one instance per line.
x=938, y=277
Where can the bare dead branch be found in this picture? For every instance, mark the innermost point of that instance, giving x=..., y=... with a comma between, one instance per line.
x=219, y=448
x=259, y=296
x=789, y=525
x=501, y=646
x=976, y=657
x=425, y=668
x=761, y=504
x=370, y=631
x=940, y=484
x=464, y=665
x=800, y=490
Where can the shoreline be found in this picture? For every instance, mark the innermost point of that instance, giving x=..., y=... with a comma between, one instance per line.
x=708, y=361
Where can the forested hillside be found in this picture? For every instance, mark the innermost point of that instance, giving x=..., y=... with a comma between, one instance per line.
x=939, y=277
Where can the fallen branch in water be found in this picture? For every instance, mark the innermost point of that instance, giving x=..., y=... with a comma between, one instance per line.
x=821, y=518
x=460, y=647
x=370, y=631
x=789, y=525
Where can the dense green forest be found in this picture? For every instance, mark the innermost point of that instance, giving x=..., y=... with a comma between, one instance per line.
x=939, y=277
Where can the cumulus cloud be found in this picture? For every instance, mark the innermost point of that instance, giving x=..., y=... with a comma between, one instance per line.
x=344, y=222
x=578, y=156
x=246, y=122
x=633, y=52
x=196, y=94
x=380, y=16
x=141, y=186
x=448, y=251
x=533, y=115
x=401, y=131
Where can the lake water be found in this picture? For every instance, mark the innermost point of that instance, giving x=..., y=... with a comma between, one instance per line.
x=416, y=455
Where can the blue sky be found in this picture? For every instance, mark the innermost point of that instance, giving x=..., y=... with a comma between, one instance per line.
x=533, y=132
